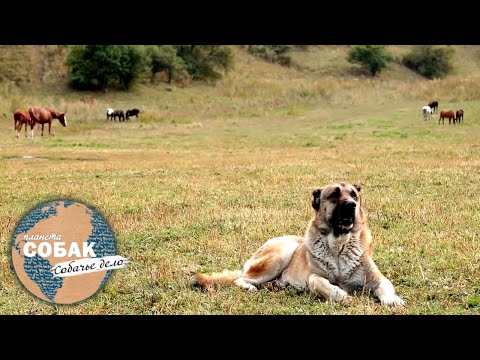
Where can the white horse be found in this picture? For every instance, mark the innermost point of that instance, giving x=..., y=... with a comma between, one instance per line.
x=427, y=112
x=109, y=113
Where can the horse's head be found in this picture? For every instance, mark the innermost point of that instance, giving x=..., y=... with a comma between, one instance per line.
x=63, y=119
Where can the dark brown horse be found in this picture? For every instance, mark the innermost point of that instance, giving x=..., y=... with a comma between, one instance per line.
x=434, y=105
x=45, y=116
x=133, y=112
x=19, y=118
x=446, y=114
x=459, y=116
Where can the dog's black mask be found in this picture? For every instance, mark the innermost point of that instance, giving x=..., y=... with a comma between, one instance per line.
x=343, y=217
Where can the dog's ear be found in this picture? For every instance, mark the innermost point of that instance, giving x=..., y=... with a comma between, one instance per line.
x=316, y=198
x=359, y=187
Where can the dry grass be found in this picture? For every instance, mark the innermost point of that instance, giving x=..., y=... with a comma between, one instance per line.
x=207, y=174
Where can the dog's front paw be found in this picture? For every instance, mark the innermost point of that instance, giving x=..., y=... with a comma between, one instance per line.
x=339, y=295
x=392, y=301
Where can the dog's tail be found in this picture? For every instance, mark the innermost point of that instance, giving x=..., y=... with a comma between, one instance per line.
x=204, y=281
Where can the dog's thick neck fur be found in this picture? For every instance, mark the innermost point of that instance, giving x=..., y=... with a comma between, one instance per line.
x=333, y=238
x=323, y=242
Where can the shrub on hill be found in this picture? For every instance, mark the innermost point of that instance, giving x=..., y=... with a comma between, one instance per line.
x=373, y=58
x=96, y=67
x=164, y=58
x=429, y=61
x=272, y=53
x=205, y=62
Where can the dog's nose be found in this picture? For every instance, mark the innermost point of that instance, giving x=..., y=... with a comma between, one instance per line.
x=350, y=205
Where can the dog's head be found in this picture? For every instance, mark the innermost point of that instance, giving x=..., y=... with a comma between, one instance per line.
x=338, y=205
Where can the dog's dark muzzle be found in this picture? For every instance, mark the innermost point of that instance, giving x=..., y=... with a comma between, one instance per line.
x=344, y=214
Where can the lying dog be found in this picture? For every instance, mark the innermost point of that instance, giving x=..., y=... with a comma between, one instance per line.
x=331, y=261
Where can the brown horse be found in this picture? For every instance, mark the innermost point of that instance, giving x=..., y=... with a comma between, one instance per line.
x=459, y=116
x=45, y=116
x=434, y=105
x=446, y=114
x=19, y=118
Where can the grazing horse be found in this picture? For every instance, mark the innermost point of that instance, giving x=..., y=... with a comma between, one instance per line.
x=434, y=106
x=19, y=118
x=459, y=116
x=427, y=112
x=109, y=113
x=118, y=113
x=133, y=112
x=446, y=114
x=45, y=115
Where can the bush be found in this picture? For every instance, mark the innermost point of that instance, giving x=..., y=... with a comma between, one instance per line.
x=95, y=67
x=205, y=62
x=373, y=58
x=272, y=53
x=431, y=62
x=163, y=58
x=130, y=60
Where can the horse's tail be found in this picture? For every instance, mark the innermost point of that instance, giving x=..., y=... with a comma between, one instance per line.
x=32, y=114
x=204, y=281
x=17, y=119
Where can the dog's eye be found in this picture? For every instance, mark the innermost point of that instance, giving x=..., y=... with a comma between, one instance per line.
x=353, y=194
x=335, y=194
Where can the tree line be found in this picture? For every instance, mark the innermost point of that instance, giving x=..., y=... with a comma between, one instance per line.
x=429, y=61
x=97, y=67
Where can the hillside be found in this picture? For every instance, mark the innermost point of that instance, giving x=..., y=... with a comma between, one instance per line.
x=327, y=60
x=44, y=64
x=33, y=64
x=30, y=75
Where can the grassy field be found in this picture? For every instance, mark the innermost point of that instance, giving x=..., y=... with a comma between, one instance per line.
x=208, y=173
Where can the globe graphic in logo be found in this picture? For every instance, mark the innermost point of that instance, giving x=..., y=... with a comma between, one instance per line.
x=52, y=240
